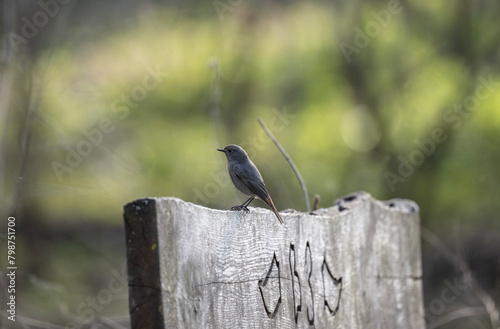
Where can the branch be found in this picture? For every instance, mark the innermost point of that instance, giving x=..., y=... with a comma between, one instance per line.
x=452, y=316
x=484, y=298
x=290, y=162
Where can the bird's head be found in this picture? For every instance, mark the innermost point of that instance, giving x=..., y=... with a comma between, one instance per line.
x=234, y=152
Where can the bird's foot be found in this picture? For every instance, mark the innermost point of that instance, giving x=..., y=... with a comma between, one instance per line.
x=239, y=208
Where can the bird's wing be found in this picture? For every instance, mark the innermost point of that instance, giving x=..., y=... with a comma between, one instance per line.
x=251, y=177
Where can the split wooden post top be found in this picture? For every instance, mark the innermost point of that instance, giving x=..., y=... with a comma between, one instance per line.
x=354, y=265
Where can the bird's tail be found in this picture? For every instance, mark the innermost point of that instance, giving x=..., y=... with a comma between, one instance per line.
x=270, y=203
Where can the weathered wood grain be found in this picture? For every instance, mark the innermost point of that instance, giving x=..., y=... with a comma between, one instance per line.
x=354, y=265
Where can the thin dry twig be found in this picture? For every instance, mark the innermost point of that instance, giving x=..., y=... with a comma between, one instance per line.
x=316, y=202
x=457, y=314
x=112, y=323
x=290, y=162
x=27, y=322
x=470, y=280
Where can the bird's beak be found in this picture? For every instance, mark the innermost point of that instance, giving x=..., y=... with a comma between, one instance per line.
x=221, y=150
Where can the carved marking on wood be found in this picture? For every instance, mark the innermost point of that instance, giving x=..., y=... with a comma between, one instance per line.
x=272, y=286
x=296, y=287
x=332, y=289
x=309, y=298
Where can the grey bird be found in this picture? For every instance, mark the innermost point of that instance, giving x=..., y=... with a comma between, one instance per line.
x=246, y=177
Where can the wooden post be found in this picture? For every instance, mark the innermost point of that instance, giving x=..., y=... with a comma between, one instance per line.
x=354, y=265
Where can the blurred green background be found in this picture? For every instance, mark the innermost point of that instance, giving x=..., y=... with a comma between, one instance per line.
x=103, y=103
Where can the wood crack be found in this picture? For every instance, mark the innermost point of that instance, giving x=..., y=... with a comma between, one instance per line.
x=405, y=277
x=242, y=281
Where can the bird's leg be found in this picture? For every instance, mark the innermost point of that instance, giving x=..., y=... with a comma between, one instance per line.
x=244, y=205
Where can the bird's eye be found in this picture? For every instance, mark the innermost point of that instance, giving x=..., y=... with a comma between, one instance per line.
x=230, y=150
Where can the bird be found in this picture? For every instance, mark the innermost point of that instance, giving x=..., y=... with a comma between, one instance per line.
x=247, y=178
